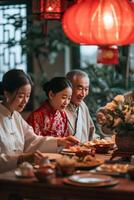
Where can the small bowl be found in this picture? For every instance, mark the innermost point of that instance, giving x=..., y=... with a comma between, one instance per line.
x=64, y=170
x=45, y=173
x=65, y=166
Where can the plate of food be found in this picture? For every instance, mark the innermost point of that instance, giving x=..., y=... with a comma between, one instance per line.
x=79, y=150
x=87, y=162
x=113, y=169
x=90, y=180
x=102, y=145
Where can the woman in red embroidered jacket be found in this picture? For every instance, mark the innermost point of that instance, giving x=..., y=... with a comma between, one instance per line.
x=50, y=118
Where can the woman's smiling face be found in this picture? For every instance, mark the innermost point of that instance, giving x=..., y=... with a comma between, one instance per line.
x=18, y=99
x=60, y=100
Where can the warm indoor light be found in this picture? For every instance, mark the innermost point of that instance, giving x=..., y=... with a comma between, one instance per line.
x=51, y=9
x=108, y=20
x=99, y=22
x=108, y=55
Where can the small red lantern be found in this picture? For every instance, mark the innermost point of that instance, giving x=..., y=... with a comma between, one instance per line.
x=108, y=55
x=99, y=22
x=51, y=9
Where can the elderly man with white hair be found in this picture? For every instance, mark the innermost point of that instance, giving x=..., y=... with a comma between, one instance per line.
x=80, y=122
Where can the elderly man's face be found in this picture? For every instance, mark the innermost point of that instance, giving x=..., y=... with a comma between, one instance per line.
x=80, y=89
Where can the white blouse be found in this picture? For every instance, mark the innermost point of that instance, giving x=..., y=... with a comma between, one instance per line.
x=16, y=137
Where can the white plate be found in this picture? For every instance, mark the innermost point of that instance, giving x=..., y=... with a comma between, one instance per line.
x=101, y=184
x=90, y=178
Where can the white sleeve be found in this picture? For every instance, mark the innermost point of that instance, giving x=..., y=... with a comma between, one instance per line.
x=7, y=162
x=34, y=142
x=30, y=143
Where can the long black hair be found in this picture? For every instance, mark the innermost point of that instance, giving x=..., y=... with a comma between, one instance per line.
x=56, y=85
x=13, y=80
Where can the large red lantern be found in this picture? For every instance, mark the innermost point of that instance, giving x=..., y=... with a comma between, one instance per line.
x=131, y=38
x=74, y=25
x=108, y=55
x=99, y=22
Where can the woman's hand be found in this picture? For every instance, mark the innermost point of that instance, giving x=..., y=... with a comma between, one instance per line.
x=33, y=158
x=67, y=141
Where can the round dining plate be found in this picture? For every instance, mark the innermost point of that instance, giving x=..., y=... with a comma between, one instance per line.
x=103, y=184
x=88, y=165
x=90, y=180
x=113, y=169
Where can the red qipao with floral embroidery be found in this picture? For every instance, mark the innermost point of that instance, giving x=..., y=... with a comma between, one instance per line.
x=48, y=122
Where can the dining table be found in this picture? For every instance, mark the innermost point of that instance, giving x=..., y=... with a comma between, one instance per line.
x=14, y=188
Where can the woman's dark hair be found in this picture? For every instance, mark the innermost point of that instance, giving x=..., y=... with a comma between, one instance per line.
x=13, y=80
x=56, y=84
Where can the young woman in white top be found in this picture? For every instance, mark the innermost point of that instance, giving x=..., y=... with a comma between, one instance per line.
x=18, y=142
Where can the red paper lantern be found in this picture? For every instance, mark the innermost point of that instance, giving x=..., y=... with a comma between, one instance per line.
x=108, y=55
x=99, y=22
x=131, y=38
x=51, y=9
x=74, y=25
